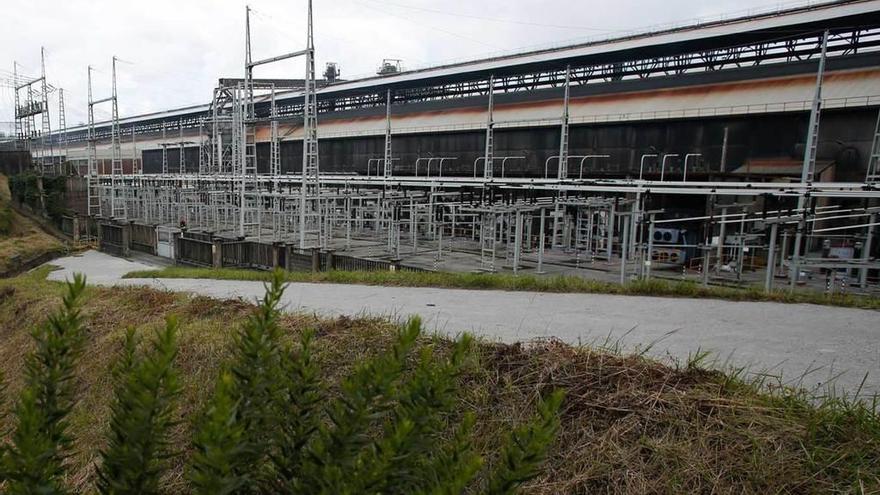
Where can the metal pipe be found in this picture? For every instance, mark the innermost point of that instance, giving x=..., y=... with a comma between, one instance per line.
x=541, y=241
x=686, y=157
x=771, y=259
x=586, y=157
x=721, y=235
x=623, y=249
x=866, y=251
x=642, y=163
x=663, y=164
x=649, y=256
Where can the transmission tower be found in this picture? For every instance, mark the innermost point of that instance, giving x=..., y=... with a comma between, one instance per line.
x=62, y=125
x=490, y=132
x=311, y=187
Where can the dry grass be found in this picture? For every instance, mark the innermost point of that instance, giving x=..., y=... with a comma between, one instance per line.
x=23, y=240
x=630, y=425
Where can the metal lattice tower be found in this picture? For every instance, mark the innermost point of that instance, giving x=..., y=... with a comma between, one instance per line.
x=387, y=162
x=46, y=154
x=62, y=125
x=311, y=187
x=874, y=158
x=117, y=203
x=563, y=135
x=94, y=193
x=490, y=132
x=137, y=166
x=275, y=141
x=164, y=148
x=181, y=153
x=20, y=137
x=248, y=194
x=809, y=165
x=25, y=116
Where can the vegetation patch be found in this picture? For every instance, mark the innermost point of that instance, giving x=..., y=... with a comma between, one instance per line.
x=627, y=424
x=21, y=240
x=501, y=281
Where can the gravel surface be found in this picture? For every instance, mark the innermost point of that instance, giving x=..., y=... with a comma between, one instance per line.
x=799, y=342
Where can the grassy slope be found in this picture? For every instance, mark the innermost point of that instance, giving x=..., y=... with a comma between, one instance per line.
x=25, y=238
x=655, y=287
x=630, y=425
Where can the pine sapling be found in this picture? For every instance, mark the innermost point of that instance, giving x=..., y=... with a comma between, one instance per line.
x=300, y=413
x=365, y=396
x=241, y=423
x=522, y=456
x=34, y=462
x=454, y=465
x=218, y=464
x=395, y=461
x=147, y=387
x=258, y=372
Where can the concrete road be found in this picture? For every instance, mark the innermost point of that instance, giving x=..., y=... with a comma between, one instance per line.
x=782, y=339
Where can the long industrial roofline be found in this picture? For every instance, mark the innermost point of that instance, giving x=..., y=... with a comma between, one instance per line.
x=803, y=15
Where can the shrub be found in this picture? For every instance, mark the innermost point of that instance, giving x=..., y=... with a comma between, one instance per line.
x=34, y=462
x=5, y=220
x=273, y=423
x=146, y=387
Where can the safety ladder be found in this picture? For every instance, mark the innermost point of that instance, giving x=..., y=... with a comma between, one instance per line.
x=583, y=231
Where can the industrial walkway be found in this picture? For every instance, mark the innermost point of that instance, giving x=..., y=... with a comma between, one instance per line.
x=777, y=338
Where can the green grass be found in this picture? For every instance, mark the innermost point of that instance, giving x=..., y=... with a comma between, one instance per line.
x=629, y=424
x=497, y=281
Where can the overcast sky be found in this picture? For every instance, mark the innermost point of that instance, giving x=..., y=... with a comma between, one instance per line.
x=173, y=51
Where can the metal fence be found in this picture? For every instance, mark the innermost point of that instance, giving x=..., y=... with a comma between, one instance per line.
x=247, y=254
x=300, y=259
x=143, y=238
x=112, y=239
x=194, y=251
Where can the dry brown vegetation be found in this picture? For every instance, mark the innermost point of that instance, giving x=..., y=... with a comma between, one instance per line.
x=22, y=239
x=630, y=425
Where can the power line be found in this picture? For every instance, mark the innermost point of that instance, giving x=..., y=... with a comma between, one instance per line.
x=421, y=24
x=495, y=19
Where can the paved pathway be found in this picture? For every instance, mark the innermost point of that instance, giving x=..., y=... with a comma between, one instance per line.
x=779, y=338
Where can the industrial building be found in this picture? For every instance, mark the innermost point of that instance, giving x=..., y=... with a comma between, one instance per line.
x=740, y=151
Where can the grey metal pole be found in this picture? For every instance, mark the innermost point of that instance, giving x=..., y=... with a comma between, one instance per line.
x=517, y=242
x=610, y=231
x=723, y=166
x=866, y=251
x=707, y=259
x=783, y=251
x=623, y=249
x=794, y=272
x=721, y=234
x=541, y=244
x=648, y=255
x=771, y=259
